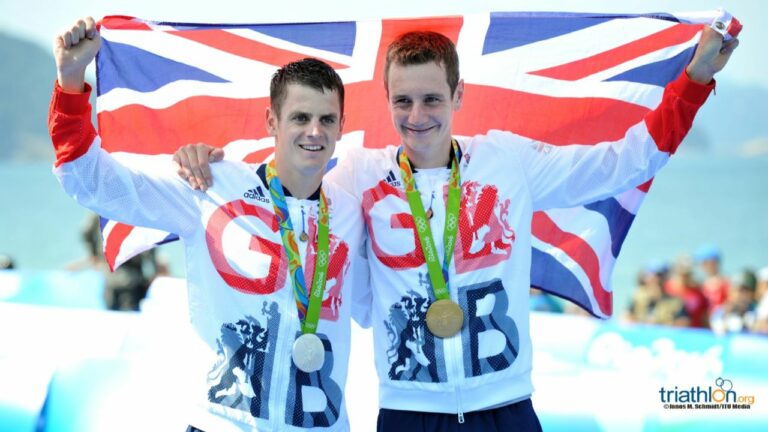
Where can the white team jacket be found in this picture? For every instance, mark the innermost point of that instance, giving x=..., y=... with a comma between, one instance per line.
x=505, y=178
x=241, y=304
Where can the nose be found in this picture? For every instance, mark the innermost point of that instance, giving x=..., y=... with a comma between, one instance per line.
x=416, y=115
x=314, y=128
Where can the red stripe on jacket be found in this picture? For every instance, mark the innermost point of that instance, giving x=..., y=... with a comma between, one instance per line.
x=683, y=96
x=69, y=124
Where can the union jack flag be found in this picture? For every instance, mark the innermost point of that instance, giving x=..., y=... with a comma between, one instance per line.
x=561, y=78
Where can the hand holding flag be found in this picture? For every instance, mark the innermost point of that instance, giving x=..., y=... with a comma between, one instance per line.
x=74, y=49
x=711, y=56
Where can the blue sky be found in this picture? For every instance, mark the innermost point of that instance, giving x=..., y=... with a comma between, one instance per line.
x=40, y=24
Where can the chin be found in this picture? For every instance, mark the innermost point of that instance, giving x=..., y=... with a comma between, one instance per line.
x=420, y=143
x=423, y=139
x=314, y=166
x=316, y=158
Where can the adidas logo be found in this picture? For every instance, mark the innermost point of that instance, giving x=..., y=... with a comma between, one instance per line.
x=392, y=180
x=257, y=193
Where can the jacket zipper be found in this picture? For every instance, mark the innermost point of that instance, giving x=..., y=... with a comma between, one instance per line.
x=458, y=401
x=455, y=373
x=281, y=391
x=283, y=357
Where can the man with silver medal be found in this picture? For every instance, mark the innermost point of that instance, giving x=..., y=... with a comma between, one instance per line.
x=305, y=117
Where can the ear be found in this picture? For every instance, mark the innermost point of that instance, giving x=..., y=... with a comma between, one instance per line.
x=271, y=122
x=341, y=126
x=458, y=95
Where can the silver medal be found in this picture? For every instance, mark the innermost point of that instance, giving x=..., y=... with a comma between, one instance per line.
x=308, y=353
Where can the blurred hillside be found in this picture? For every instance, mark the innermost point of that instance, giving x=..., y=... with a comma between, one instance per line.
x=26, y=80
x=732, y=121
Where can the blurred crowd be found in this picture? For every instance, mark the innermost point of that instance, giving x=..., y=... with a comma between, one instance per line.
x=126, y=287
x=692, y=291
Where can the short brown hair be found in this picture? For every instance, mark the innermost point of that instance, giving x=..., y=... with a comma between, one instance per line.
x=419, y=47
x=308, y=72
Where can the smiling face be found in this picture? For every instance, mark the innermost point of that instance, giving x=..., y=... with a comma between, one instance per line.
x=306, y=130
x=422, y=107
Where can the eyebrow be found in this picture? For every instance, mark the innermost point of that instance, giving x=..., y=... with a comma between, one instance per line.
x=397, y=96
x=310, y=115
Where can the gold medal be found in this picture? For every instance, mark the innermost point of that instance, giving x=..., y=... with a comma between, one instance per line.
x=429, y=213
x=303, y=237
x=444, y=318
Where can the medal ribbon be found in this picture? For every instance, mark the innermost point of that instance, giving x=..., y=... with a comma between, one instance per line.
x=308, y=306
x=438, y=275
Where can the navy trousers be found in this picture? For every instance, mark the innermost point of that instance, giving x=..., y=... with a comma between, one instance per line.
x=518, y=416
